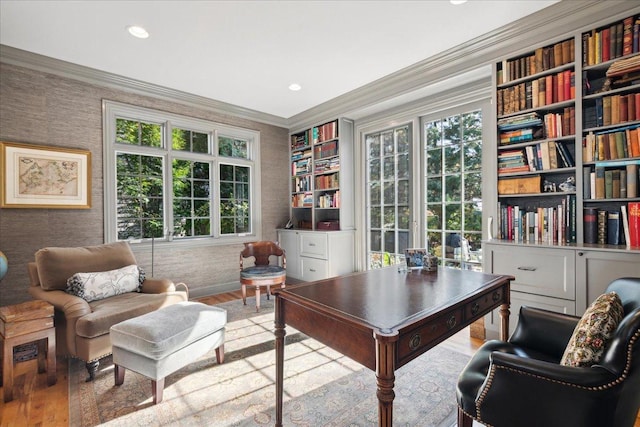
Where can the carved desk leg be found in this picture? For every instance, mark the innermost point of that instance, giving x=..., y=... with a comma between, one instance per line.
x=504, y=317
x=280, y=333
x=385, y=376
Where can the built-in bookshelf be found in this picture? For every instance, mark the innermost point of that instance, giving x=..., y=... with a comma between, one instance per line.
x=568, y=140
x=322, y=176
x=536, y=149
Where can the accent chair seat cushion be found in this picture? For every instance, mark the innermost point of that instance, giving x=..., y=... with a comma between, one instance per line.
x=263, y=272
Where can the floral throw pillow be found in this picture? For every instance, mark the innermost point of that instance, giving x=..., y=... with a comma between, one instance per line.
x=593, y=331
x=104, y=284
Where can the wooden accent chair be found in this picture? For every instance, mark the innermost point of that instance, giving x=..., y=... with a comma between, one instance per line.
x=522, y=383
x=262, y=273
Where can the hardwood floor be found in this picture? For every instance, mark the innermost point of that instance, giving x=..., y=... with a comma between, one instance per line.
x=35, y=404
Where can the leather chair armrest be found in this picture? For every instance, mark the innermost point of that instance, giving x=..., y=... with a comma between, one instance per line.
x=157, y=286
x=516, y=366
x=71, y=305
x=545, y=331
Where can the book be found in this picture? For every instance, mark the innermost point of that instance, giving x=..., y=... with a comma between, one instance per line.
x=625, y=225
x=613, y=228
x=586, y=182
x=600, y=186
x=590, y=222
x=623, y=183
x=602, y=227
x=632, y=180
x=608, y=184
x=615, y=178
x=633, y=213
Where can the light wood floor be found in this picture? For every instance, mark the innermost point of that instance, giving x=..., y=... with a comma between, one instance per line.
x=35, y=404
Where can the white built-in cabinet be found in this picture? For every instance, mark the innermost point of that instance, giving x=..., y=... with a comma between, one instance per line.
x=316, y=255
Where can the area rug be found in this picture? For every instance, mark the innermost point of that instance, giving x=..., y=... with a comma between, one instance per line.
x=322, y=387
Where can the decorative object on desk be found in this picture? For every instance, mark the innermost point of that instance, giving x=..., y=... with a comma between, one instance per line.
x=4, y=265
x=430, y=263
x=414, y=257
x=44, y=177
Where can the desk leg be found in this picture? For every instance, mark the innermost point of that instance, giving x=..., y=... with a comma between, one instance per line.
x=385, y=376
x=504, y=317
x=280, y=334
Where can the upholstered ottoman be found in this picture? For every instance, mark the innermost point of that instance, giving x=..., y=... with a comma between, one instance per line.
x=161, y=342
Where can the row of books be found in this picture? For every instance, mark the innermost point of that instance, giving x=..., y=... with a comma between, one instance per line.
x=325, y=132
x=521, y=121
x=297, y=155
x=600, y=182
x=539, y=224
x=301, y=183
x=329, y=149
x=547, y=155
x=326, y=165
x=301, y=167
x=613, y=227
x=554, y=125
x=325, y=182
x=302, y=200
x=620, y=144
x=612, y=110
x=537, y=93
x=542, y=59
x=329, y=200
x=614, y=41
x=299, y=141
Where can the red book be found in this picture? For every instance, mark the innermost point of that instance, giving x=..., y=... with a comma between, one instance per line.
x=637, y=97
x=606, y=33
x=627, y=37
x=550, y=87
x=634, y=223
x=567, y=85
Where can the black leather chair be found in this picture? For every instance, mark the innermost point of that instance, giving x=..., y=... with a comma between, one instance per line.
x=520, y=383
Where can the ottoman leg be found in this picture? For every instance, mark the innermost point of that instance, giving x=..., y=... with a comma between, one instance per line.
x=118, y=374
x=157, y=388
x=92, y=368
x=220, y=354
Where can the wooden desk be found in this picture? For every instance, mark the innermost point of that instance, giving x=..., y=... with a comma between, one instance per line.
x=383, y=319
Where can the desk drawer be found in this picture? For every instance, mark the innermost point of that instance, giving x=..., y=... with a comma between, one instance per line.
x=541, y=271
x=314, y=245
x=482, y=304
x=415, y=341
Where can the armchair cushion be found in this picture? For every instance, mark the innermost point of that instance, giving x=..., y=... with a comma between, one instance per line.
x=104, y=284
x=594, y=331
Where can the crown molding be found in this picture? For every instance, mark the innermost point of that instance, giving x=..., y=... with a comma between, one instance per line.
x=561, y=19
x=34, y=61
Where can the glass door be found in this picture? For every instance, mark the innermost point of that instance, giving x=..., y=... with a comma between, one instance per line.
x=389, y=210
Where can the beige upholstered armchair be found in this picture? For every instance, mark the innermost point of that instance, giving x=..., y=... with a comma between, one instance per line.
x=82, y=322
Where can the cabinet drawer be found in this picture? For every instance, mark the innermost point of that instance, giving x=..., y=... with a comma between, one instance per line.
x=542, y=271
x=313, y=245
x=314, y=269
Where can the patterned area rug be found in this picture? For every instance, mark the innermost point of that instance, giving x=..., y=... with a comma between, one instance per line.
x=322, y=387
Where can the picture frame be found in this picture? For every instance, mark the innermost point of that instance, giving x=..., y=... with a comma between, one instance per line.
x=414, y=257
x=35, y=176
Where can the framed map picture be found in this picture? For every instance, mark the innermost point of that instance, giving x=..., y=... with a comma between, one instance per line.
x=44, y=177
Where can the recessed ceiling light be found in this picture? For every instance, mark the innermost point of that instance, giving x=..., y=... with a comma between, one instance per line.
x=294, y=87
x=137, y=31
x=456, y=2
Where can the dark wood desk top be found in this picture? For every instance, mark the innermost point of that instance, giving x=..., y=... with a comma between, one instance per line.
x=386, y=300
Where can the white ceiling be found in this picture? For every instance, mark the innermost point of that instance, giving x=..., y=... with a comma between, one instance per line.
x=247, y=53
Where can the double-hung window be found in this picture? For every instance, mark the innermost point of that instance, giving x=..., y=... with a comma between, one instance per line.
x=178, y=178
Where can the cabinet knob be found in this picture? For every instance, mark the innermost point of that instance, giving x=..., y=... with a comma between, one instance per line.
x=414, y=342
x=451, y=322
x=580, y=253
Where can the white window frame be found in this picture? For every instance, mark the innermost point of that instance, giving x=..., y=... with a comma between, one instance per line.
x=114, y=110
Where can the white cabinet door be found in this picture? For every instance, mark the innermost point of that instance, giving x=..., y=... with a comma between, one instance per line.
x=289, y=241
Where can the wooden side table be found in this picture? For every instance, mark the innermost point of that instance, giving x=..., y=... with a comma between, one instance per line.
x=23, y=323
